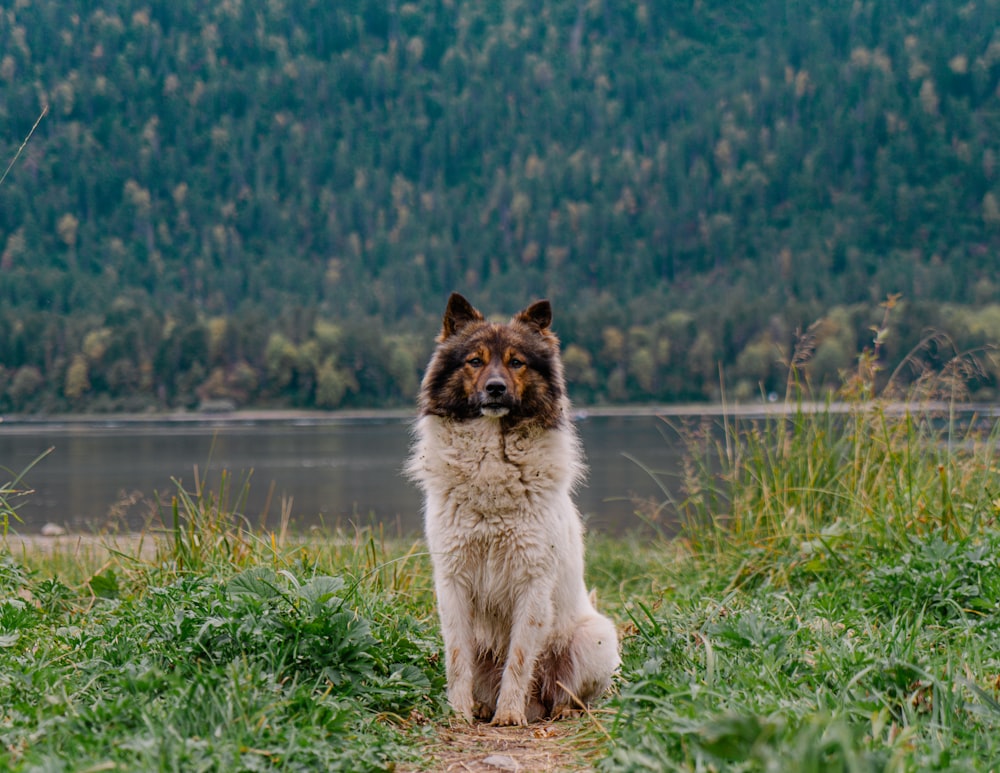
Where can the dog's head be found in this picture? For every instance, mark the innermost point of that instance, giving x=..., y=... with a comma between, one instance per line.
x=506, y=371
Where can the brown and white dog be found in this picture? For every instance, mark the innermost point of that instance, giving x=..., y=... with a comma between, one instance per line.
x=497, y=457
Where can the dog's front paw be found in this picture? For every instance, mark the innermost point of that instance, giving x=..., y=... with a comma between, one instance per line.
x=509, y=717
x=464, y=708
x=462, y=716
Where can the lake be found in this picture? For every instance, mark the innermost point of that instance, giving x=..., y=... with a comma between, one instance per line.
x=331, y=471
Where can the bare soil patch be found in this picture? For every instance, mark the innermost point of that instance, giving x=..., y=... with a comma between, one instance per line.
x=568, y=745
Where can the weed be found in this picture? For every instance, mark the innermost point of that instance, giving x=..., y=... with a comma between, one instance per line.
x=207, y=527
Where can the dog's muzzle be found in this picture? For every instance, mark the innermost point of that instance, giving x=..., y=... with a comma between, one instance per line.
x=495, y=400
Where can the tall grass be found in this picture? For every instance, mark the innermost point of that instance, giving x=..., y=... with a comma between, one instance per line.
x=875, y=475
x=208, y=527
x=837, y=603
x=17, y=155
x=872, y=467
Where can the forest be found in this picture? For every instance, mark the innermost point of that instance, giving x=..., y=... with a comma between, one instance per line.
x=267, y=204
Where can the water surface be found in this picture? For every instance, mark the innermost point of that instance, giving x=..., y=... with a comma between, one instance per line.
x=331, y=472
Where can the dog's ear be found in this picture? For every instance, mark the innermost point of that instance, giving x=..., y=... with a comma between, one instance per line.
x=458, y=314
x=538, y=314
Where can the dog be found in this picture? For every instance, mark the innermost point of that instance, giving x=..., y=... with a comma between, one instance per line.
x=497, y=457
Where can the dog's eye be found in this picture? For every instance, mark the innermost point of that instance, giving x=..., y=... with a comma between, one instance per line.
x=475, y=362
x=516, y=363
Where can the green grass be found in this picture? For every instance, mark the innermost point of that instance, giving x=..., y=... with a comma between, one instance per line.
x=832, y=603
x=278, y=666
x=833, y=598
x=886, y=661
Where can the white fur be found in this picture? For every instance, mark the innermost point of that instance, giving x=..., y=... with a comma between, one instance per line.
x=506, y=543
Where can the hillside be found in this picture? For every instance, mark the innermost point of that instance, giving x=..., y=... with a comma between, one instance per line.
x=270, y=202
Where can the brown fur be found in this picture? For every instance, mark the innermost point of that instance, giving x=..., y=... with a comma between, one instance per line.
x=472, y=354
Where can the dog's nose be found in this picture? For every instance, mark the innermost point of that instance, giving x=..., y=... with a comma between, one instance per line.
x=495, y=387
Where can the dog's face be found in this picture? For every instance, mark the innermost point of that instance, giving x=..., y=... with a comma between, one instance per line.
x=502, y=371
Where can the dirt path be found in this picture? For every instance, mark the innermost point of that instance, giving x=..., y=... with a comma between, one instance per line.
x=543, y=748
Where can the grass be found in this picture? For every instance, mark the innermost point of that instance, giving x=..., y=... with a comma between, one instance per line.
x=831, y=603
x=12, y=492
x=885, y=661
x=271, y=664
x=833, y=599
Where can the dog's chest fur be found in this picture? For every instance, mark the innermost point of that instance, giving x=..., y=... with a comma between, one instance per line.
x=491, y=476
x=498, y=508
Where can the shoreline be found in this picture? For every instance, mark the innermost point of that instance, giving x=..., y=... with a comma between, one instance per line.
x=133, y=545
x=253, y=416
x=144, y=545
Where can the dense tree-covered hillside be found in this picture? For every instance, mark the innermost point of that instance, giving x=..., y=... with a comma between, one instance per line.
x=271, y=201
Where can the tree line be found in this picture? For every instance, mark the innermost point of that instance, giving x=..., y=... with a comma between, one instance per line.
x=269, y=203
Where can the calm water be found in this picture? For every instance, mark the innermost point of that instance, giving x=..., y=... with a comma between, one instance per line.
x=334, y=472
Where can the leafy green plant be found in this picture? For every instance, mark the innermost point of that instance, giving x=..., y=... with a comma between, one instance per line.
x=262, y=669
x=230, y=648
x=813, y=675
x=940, y=581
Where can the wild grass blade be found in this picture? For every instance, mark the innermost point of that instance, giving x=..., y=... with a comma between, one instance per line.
x=12, y=489
x=20, y=149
